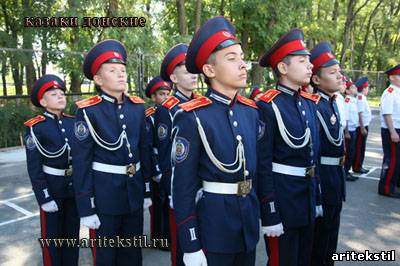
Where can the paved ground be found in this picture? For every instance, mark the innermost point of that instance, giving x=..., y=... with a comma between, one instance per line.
x=369, y=221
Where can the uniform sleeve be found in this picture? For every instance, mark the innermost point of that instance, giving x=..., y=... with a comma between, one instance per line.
x=266, y=187
x=387, y=104
x=82, y=158
x=34, y=162
x=185, y=181
x=145, y=155
x=153, y=151
x=360, y=105
x=163, y=126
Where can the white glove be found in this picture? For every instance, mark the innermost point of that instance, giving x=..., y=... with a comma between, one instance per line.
x=91, y=221
x=157, y=178
x=199, y=194
x=195, y=258
x=50, y=206
x=273, y=230
x=319, y=212
x=147, y=203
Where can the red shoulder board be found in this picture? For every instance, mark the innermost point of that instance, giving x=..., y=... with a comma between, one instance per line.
x=360, y=97
x=150, y=111
x=390, y=90
x=313, y=97
x=136, y=99
x=89, y=102
x=269, y=95
x=347, y=100
x=195, y=103
x=68, y=115
x=170, y=102
x=246, y=101
x=34, y=121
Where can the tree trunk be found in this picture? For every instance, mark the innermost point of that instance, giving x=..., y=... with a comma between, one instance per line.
x=27, y=39
x=198, y=15
x=222, y=8
x=347, y=28
x=3, y=75
x=335, y=15
x=182, y=23
x=366, y=36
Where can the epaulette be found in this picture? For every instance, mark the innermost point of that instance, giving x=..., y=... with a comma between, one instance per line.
x=313, y=97
x=149, y=111
x=246, y=101
x=136, y=99
x=390, y=89
x=347, y=100
x=359, y=97
x=68, y=115
x=34, y=121
x=269, y=95
x=89, y=102
x=170, y=102
x=195, y=104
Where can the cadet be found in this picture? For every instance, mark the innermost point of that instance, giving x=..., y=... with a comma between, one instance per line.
x=340, y=100
x=287, y=154
x=351, y=109
x=173, y=69
x=327, y=80
x=111, y=152
x=216, y=206
x=255, y=93
x=390, y=130
x=364, y=115
x=48, y=154
x=157, y=90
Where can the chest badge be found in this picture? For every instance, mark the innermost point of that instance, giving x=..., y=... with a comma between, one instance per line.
x=333, y=119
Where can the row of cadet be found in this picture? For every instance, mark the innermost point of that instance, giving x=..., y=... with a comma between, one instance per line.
x=208, y=167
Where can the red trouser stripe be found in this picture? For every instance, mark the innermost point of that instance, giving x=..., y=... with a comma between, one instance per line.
x=273, y=251
x=392, y=167
x=172, y=229
x=45, y=249
x=357, y=161
x=92, y=235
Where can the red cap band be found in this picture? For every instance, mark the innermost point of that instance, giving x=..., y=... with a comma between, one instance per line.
x=158, y=85
x=177, y=60
x=102, y=58
x=284, y=50
x=45, y=87
x=208, y=46
x=394, y=72
x=322, y=59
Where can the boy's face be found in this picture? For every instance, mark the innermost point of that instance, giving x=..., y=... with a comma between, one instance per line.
x=298, y=71
x=111, y=77
x=159, y=96
x=365, y=91
x=184, y=79
x=229, y=68
x=395, y=80
x=329, y=79
x=54, y=99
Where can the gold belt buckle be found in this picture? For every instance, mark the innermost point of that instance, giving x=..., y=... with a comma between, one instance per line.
x=68, y=172
x=341, y=161
x=310, y=171
x=131, y=170
x=244, y=187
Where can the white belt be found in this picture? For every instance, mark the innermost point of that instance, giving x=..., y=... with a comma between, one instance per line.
x=290, y=170
x=55, y=171
x=336, y=161
x=224, y=188
x=130, y=169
